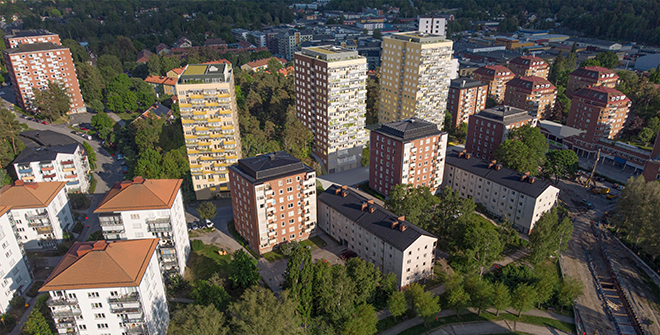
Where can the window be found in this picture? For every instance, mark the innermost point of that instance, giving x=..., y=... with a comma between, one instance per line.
x=102, y=326
x=97, y=305
x=135, y=216
x=92, y=294
x=99, y=316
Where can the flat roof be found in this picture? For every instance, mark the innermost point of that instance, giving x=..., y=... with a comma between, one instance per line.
x=22, y=48
x=195, y=70
x=30, y=33
x=205, y=73
x=558, y=130
x=330, y=53
x=505, y=114
x=269, y=166
x=466, y=83
x=38, y=154
x=419, y=37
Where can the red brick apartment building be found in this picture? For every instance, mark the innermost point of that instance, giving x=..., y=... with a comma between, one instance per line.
x=525, y=66
x=590, y=76
x=490, y=127
x=466, y=97
x=533, y=94
x=31, y=37
x=496, y=77
x=600, y=111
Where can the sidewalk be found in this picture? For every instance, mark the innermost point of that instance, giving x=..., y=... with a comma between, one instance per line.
x=26, y=315
x=495, y=327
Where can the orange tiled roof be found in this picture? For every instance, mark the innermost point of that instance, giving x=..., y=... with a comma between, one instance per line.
x=140, y=194
x=29, y=195
x=528, y=82
x=602, y=94
x=286, y=70
x=102, y=264
x=161, y=80
x=4, y=209
x=262, y=62
x=587, y=71
x=219, y=61
x=178, y=70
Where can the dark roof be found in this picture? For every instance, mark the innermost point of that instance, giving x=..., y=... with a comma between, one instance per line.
x=505, y=114
x=505, y=177
x=48, y=138
x=378, y=223
x=408, y=130
x=28, y=33
x=21, y=48
x=158, y=109
x=269, y=166
x=466, y=83
x=31, y=154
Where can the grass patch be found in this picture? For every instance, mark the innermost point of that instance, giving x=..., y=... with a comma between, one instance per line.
x=655, y=290
x=312, y=243
x=202, y=264
x=274, y=256
x=92, y=184
x=438, y=277
x=127, y=116
x=365, y=187
x=234, y=233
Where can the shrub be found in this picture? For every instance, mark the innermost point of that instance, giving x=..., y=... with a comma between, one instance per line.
x=17, y=301
x=34, y=290
x=77, y=228
x=197, y=245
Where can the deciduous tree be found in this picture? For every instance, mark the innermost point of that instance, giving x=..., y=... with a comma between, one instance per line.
x=52, y=102
x=207, y=210
x=260, y=312
x=243, y=271
x=550, y=235
x=397, y=304
x=524, y=150
x=569, y=290
x=199, y=320
x=560, y=163
x=523, y=298
x=362, y=322
x=415, y=203
x=501, y=297
x=36, y=324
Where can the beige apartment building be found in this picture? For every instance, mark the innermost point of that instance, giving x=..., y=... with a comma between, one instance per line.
x=331, y=92
x=414, y=77
x=210, y=125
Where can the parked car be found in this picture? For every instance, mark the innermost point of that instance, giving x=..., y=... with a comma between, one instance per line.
x=83, y=129
x=587, y=203
x=44, y=122
x=209, y=223
x=124, y=170
x=121, y=157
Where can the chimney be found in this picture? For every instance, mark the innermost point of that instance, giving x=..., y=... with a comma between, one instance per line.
x=138, y=180
x=467, y=156
x=401, y=218
x=364, y=206
x=532, y=180
x=344, y=187
x=492, y=163
x=394, y=224
x=402, y=227
x=344, y=194
x=337, y=191
x=370, y=202
x=99, y=245
x=524, y=176
x=498, y=167
x=372, y=208
x=19, y=183
x=83, y=249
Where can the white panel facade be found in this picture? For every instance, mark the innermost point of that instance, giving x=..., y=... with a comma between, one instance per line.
x=14, y=273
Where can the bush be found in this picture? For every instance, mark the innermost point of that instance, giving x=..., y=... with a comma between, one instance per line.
x=10, y=320
x=96, y=236
x=92, y=184
x=17, y=301
x=77, y=228
x=34, y=290
x=197, y=245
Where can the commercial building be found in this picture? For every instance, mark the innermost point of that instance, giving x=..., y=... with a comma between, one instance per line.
x=406, y=152
x=533, y=94
x=273, y=199
x=39, y=214
x=414, y=77
x=525, y=66
x=496, y=77
x=466, y=97
x=331, y=90
x=148, y=208
x=14, y=266
x=32, y=66
x=432, y=25
x=209, y=116
x=389, y=242
x=109, y=287
x=67, y=163
x=521, y=198
x=31, y=37
x=590, y=76
x=490, y=127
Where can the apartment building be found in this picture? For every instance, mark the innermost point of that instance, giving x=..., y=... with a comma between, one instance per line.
x=14, y=267
x=32, y=66
x=209, y=116
x=31, y=37
x=67, y=163
x=39, y=214
x=414, y=77
x=496, y=77
x=406, y=152
x=490, y=127
x=600, y=111
x=389, y=242
x=533, y=94
x=109, y=287
x=432, y=25
x=466, y=97
x=331, y=90
x=521, y=198
x=526, y=66
x=590, y=76
x=159, y=213
x=274, y=200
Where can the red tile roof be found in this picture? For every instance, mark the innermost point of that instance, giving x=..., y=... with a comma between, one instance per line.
x=162, y=80
x=601, y=93
x=491, y=70
x=29, y=195
x=219, y=61
x=530, y=83
x=140, y=194
x=262, y=62
x=143, y=56
x=588, y=71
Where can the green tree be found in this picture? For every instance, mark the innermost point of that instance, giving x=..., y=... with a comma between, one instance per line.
x=547, y=282
x=523, y=298
x=590, y=62
x=207, y=210
x=569, y=290
x=655, y=76
x=78, y=53
x=91, y=82
x=243, y=271
x=10, y=144
x=208, y=294
x=427, y=306
x=36, y=324
x=373, y=99
x=481, y=294
x=608, y=59
x=154, y=65
x=149, y=164
x=366, y=278
x=524, y=150
x=109, y=65
x=102, y=121
x=274, y=65
x=52, y=102
x=362, y=322
x=365, y=155
x=457, y=298
x=96, y=236
x=198, y=320
x=260, y=312
x=396, y=304
x=481, y=245
x=637, y=212
x=560, y=163
x=550, y=235
x=91, y=155
x=299, y=278
x=452, y=215
x=415, y=203
x=501, y=297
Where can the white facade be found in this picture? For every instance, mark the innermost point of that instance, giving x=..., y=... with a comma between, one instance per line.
x=14, y=273
x=69, y=168
x=115, y=310
x=167, y=224
x=432, y=25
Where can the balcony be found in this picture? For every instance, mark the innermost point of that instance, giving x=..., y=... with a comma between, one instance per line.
x=131, y=297
x=24, y=169
x=159, y=225
x=106, y=220
x=44, y=230
x=135, y=329
x=62, y=301
x=66, y=313
x=67, y=162
x=37, y=216
x=70, y=176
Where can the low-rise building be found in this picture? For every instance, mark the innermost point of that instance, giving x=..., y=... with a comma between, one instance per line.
x=67, y=163
x=521, y=198
x=109, y=287
x=163, y=84
x=273, y=199
x=14, y=266
x=157, y=110
x=490, y=127
x=525, y=66
x=143, y=56
x=406, y=152
x=260, y=64
x=389, y=242
x=466, y=97
x=39, y=214
x=590, y=76
x=496, y=77
x=533, y=94
x=148, y=208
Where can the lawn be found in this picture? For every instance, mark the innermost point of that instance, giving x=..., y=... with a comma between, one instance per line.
x=127, y=116
x=312, y=243
x=234, y=233
x=438, y=277
x=202, y=264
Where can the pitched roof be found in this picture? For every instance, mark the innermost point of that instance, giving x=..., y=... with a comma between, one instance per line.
x=263, y=62
x=143, y=56
x=593, y=72
x=492, y=70
x=269, y=166
x=161, y=80
x=531, y=83
x=152, y=194
x=32, y=154
x=48, y=138
x=601, y=94
x=408, y=130
x=22, y=48
x=29, y=195
x=214, y=41
x=4, y=210
x=218, y=61
x=378, y=223
x=178, y=70
x=528, y=61
x=158, y=109
x=102, y=264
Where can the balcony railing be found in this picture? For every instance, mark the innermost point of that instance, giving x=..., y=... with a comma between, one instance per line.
x=62, y=301
x=66, y=313
x=110, y=221
x=131, y=297
x=135, y=330
x=37, y=216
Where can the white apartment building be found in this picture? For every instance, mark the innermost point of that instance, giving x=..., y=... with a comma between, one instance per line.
x=390, y=243
x=520, y=198
x=109, y=287
x=416, y=69
x=432, y=25
x=331, y=91
x=67, y=163
x=39, y=214
x=148, y=208
x=14, y=271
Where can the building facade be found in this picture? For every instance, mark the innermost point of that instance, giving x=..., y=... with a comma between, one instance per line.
x=590, y=76
x=526, y=66
x=390, y=243
x=209, y=116
x=406, y=152
x=414, y=77
x=39, y=214
x=14, y=266
x=466, y=97
x=432, y=25
x=331, y=101
x=109, y=287
x=520, y=198
x=67, y=163
x=490, y=127
x=32, y=66
x=533, y=94
x=31, y=37
x=159, y=213
x=273, y=199
x=600, y=111
x=496, y=77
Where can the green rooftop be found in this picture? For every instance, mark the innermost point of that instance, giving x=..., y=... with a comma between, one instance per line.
x=195, y=70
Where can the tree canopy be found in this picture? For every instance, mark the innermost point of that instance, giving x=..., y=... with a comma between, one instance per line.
x=52, y=102
x=524, y=150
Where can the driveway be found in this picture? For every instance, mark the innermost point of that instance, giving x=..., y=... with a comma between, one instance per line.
x=221, y=236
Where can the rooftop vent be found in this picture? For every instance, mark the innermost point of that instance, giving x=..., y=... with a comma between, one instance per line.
x=271, y=157
x=498, y=167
